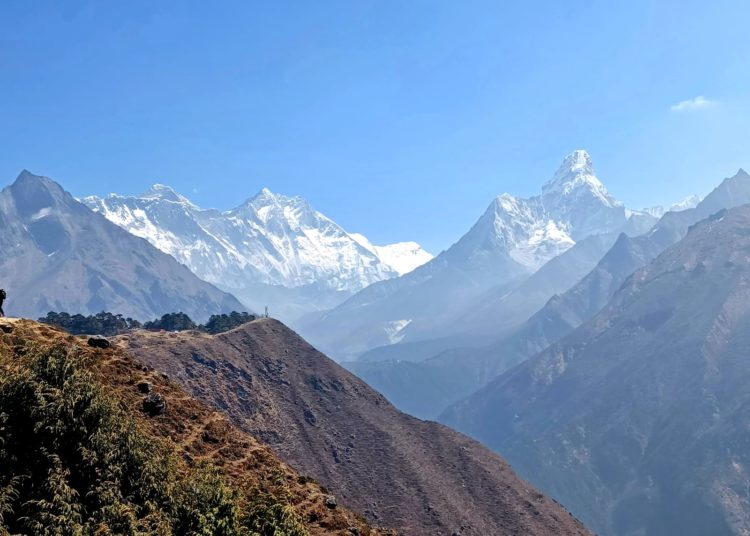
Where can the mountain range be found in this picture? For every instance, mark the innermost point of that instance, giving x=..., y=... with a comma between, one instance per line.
x=599, y=349
x=638, y=419
x=59, y=255
x=510, y=241
x=272, y=250
x=443, y=377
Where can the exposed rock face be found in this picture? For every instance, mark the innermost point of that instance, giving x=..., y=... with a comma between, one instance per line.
x=639, y=420
x=154, y=404
x=99, y=342
x=61, y=256
x=418, y=477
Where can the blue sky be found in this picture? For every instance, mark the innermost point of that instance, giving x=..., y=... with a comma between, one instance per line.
x=399, y=119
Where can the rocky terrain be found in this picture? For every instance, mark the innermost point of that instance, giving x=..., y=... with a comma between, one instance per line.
x=638, y=419
x=199, y=436
x=417, y=477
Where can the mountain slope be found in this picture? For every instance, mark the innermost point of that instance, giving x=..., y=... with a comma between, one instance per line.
x=418, y=477
x=510, y=241
x=638, y=420
x=567, y=311
x=426, y=388
x=119, y=469
x=271, y=250
x=59, y=255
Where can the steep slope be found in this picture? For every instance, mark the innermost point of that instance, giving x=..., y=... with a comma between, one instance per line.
x=271, y=250
x=638, y=420
x=174, y=455
x=59, y=255
x=418, y=477
x=442, y=378
x=566, y=311
x=510, y=241
x=423, y=378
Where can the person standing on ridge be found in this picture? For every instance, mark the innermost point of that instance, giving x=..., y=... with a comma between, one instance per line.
x=3, y=295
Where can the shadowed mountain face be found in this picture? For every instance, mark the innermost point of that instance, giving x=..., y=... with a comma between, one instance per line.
x=418, y=477
x=639, y=420
x=59, y=255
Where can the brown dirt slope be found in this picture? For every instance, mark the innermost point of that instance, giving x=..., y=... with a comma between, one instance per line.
x=418, y=477
x=198, y=432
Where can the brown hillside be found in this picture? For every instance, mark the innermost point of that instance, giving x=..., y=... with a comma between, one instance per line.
x=199, y=433
x=418, y=477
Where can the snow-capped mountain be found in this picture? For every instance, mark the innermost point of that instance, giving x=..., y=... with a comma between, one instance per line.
x=689, y=202
x=573, y=204
x=262, y=248
x=403, y=257
x=510, y=241
x=60, y=256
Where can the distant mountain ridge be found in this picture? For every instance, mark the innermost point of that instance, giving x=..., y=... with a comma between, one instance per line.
x=638, y=419
x=59, y=255
x=557, y=298
x=271, y=250
x=510, y=241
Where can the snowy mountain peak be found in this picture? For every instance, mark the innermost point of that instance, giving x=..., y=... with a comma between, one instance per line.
x=573, y=204
x=271, y=239
x=576, y=173
x=689, y=202
x=164, y=193
x=263, y=196
x=403, y=257
x=266, y=197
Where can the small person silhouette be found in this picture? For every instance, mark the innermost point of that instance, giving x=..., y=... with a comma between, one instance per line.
x=3, y=295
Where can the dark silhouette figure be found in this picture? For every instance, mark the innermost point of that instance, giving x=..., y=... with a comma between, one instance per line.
x=2, y=299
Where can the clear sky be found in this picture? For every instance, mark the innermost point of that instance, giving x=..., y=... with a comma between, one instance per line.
x=399, y=119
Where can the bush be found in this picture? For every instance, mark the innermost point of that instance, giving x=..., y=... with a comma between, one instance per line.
x=73, y=462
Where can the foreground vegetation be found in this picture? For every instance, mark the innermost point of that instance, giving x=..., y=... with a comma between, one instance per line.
x=73, y=462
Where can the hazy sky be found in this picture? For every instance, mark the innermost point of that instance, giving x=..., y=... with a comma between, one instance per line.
x=399, y=119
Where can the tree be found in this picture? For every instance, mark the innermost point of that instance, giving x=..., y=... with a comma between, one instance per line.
x=221, y=323
x=172, y=322
x=103, y=323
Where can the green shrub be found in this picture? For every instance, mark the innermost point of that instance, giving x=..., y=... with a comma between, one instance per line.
x=72, y=462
